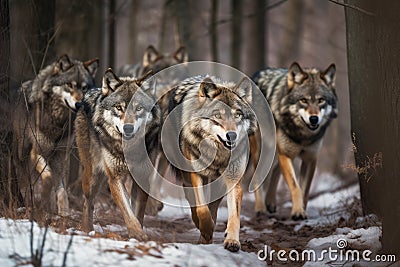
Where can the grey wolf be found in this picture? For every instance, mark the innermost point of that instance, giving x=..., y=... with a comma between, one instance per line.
x=155, y=61
x=213, y=115
x=43, y=124
x=303, y=102
x=100, y=125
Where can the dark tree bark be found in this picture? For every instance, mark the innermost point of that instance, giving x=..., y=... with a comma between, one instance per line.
x=188, y=19
x=111, y=33
x=290, y=46
x=45, y=14
x=166, y=25
x=213, y=30
x=236, y=48
x=374, y=76
x=9, y=191
x=133, y=30
x=79, y=30
x=256, y=37
x=32, y=40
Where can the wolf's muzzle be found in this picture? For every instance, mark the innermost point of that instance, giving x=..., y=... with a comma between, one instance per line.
x=231, y=136
x=128, y=130
x=314, y=120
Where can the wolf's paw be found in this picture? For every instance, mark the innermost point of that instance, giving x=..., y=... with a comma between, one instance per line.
x=206, y=231
x=139, y=235
x=299, y=215
x=206, y=226
x=232, y=245
x=203, y=240
x=271, y=208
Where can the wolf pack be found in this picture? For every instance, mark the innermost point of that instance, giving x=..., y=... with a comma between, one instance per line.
x=62, y=108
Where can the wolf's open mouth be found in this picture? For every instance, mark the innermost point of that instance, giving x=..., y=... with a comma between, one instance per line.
x=116, y=127
x=228, y=144
x=312, y=127
x=66, y=103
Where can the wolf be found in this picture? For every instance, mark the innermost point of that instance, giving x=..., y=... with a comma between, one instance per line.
x=303, y=103
x=155, y=61
x=212, y=119
x=42, y=126
x=101, y=124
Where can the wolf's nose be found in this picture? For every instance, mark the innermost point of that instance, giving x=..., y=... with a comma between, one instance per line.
x=313, y=120
x=231, y=136
x=128, y=129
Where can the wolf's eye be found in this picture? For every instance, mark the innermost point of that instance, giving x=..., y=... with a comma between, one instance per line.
x=84, y=86
x=321, y=100
x=303, y=101
x=217, y=115
x=119, y=108
x=238, y=114
x=139, y=108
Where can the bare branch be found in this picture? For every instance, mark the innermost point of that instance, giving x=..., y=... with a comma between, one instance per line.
x=352, y=7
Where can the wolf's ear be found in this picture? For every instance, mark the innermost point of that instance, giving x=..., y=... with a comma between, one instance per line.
x=296, y=75
x=110, y=82
x=63, y=64
x=150, y=56
x=208, y=88
x=141, y=79
x=329, y=75
x=92, y=66
x=244, y=89
x=181, y=55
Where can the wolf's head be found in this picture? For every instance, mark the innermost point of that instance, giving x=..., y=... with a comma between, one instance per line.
x=156, y=61
x=223, y=113
x=118, y=93
x=312, y=95
x=67, y=79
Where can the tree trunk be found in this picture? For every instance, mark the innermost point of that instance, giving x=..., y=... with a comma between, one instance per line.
x=32, y=37
x=133, y=30
x=181, y=11
x=290, y=45
x=9, y=191
x=237, y=10
x=79, y=31
x=256, y=37
x=111, y=33
x=374, y=76
x=213, y=30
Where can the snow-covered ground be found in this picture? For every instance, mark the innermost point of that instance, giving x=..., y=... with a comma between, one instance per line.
x=326, y=210
x=15, y=249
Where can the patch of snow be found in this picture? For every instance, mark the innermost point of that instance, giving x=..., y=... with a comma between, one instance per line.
x=87, y=251
x=347, y=246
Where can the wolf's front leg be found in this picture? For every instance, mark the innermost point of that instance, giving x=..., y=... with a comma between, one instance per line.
x=298, y=212
x=234, y=201
x=201, y=214
x=120, y=196
x=139, y=198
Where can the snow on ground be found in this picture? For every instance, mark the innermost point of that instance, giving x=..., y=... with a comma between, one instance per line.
x=86, y=251
x=326, y=209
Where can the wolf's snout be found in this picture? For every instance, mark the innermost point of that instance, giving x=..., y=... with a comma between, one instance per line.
x=314, y=120
x=128, y=130
x=231, y=136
